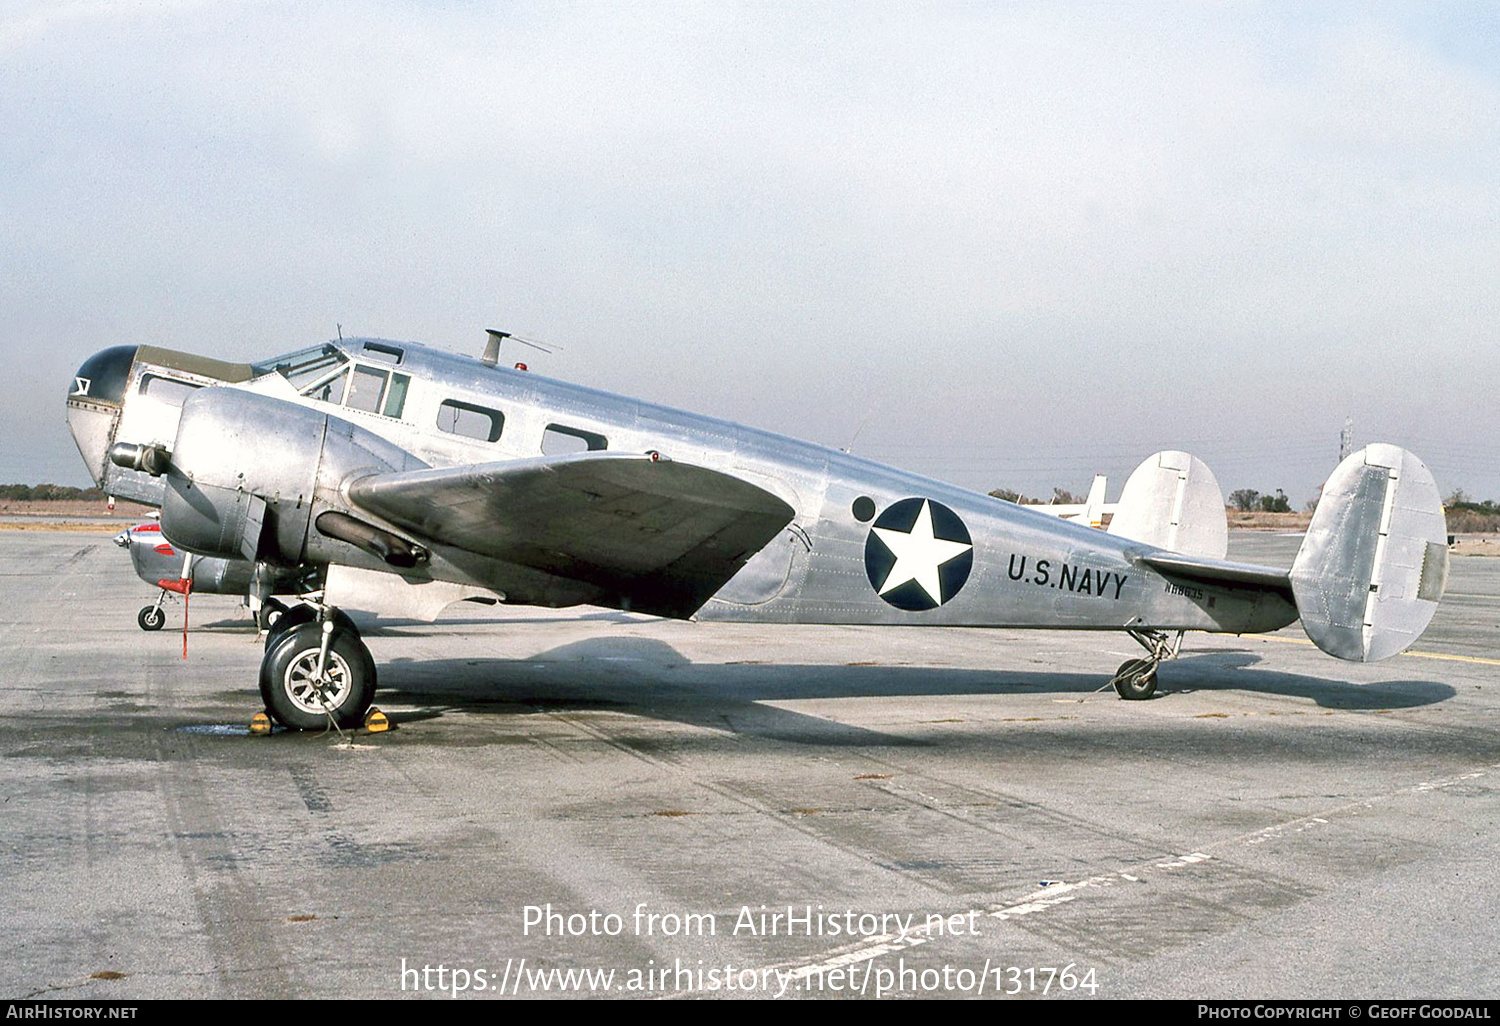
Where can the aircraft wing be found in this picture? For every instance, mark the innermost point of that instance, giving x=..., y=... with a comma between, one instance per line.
x=1219, y=571
x=656, y=536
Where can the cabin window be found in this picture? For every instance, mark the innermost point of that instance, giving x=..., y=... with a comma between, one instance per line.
x=168, y=390
x=475, y=422
x=558, y=440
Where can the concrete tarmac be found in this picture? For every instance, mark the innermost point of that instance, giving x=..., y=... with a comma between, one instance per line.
x=968, y=804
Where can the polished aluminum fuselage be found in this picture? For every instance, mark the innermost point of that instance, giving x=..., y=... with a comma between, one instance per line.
x=1029, y=569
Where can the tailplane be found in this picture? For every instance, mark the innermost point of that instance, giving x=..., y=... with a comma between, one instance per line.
x=1373, y=566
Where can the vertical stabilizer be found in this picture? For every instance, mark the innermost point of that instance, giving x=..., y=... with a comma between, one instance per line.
x=1369, y=574
x=1093, y=508
x=1173, y=501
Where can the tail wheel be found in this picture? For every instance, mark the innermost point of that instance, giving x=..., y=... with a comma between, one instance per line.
x=151, y=618
x=302, y=699
x=1135, y=679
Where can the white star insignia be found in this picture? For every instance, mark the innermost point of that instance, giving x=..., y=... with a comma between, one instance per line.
x=919, y=554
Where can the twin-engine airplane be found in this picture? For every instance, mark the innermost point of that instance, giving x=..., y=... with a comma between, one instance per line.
x=177, y=573
x=364, y=467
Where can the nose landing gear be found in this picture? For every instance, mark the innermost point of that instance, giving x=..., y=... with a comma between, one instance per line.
x=152, y=618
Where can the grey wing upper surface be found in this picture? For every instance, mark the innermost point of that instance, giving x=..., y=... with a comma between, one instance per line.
x=655, y=536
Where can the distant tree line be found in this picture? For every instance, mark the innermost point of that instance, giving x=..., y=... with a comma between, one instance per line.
x=1060, y=496
x=1466, y=515
x=48, y=492
x=1470, y=516
x=1248, y=500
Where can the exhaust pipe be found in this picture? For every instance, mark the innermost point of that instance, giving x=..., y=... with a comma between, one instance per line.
x=392, y=549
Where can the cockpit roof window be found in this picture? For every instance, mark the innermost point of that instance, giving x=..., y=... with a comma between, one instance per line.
x=384, y=352
x=305, y=366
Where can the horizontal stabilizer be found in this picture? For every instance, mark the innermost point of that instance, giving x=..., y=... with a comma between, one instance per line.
x=653, y=535
x=1369, y=574
x=1219, y=571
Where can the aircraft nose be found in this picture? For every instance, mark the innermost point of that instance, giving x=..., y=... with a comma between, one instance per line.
x=95, y=399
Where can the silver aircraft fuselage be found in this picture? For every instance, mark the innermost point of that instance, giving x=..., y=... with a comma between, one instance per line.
x=962, y=558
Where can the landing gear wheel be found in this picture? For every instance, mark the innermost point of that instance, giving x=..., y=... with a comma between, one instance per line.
x=1135, y=679
x=151, y=618
x=295, y=695
x=299, y=615
x=271, y=611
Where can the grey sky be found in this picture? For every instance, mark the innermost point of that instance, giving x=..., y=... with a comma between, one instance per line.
x=1019, y=243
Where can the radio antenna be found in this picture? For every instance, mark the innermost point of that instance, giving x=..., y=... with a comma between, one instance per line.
x=492, y=346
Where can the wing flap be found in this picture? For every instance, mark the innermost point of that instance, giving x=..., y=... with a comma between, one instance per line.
x=656, y=536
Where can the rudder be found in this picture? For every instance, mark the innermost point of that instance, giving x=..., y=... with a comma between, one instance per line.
x=1374, y=563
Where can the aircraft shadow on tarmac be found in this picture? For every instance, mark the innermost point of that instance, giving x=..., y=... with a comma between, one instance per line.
x=647, y=677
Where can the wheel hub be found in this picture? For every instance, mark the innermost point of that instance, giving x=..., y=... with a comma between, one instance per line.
x=311, y=694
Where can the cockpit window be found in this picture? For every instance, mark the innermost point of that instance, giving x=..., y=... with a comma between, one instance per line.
x=395, y=396
x=169, y=390
x=369, y=388
x=325, y=374
x=383, y=352
x=365, y=389
x=330, y=389
x=305, y=367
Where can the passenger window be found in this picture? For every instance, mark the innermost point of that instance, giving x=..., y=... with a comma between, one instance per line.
x=365, y=389
x=476, y=422
x=168, y=390
x=559, y=441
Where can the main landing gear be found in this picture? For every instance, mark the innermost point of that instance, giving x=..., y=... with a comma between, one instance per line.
x=1136, y=678
x=316, y=672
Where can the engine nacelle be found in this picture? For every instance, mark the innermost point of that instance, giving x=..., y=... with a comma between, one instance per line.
x=250, y=472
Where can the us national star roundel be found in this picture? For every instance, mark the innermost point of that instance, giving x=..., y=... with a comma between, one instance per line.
x=918, y=554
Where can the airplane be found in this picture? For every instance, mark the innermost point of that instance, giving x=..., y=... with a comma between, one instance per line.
x=177, y=573
x=173, y=573
x=1091, y=510
x=371, y=466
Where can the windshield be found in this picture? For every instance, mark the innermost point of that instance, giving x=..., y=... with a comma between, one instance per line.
x=304, y=366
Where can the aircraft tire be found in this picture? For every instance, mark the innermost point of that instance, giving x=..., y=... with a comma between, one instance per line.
x=1135, y=680
x=271, y=610
x=286, y=678
x=300, y=614
x=151, y=618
